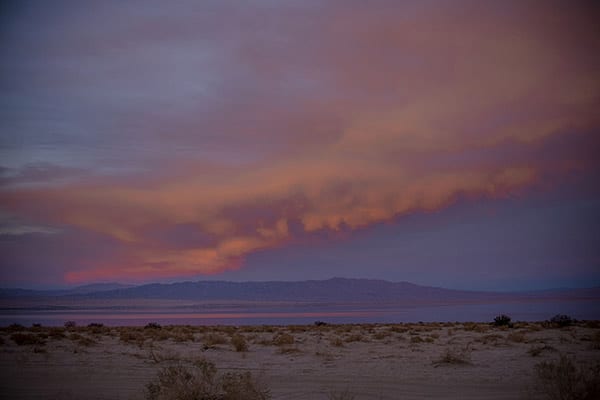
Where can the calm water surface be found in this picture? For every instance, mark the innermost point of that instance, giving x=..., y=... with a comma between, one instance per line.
x=519, y=311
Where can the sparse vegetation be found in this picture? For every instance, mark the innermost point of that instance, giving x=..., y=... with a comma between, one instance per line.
x=564, y=380
x=25, y=339
x=202, y=381
x=561, y=321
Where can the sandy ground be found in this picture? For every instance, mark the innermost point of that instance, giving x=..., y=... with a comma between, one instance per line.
x=404, y=361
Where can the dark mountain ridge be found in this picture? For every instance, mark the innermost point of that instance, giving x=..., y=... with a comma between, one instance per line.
x=330, y=290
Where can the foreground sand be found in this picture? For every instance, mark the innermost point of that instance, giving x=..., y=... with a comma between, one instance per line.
x=404, y=361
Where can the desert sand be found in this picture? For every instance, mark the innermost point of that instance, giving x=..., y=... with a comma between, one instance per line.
x=391, y=361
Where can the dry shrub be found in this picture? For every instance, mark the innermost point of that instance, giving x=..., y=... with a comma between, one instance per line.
x=239, y=343
x=453, y=356
x=25, y=339
x=564, y=380
x=202, y=382
x=337, y=342
x=283, y=339
x=213, y=339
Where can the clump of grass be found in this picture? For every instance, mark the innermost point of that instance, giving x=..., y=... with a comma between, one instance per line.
x=337, y=342
x=27, y=339
x=564, y=380
x=239, y=343
x=202, y=382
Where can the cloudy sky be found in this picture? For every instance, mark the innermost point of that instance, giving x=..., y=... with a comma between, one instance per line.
x=445, y=143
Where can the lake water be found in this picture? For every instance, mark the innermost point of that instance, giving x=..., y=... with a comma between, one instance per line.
x=519, y=311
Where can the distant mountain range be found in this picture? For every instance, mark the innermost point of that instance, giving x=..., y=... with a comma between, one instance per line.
x=335, y=290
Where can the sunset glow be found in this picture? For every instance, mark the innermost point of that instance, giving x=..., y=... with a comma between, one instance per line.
x=255, y=139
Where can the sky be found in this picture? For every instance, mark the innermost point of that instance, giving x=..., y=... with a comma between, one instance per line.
x=443, y=143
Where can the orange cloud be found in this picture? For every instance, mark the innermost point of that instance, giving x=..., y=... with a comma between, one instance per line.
x=372, y=114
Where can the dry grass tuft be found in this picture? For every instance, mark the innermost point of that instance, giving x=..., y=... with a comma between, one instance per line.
x=564, y=380
x=202, y=381
x=455, y=357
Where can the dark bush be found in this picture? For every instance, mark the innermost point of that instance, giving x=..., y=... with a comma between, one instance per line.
x=562, y=320
x=320, y=323
x=70, y=324
x=152, y=325
x=502, y=320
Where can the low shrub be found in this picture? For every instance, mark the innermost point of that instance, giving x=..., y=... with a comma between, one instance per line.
x=152, y=325
x=201, y=381
x=239, y=343
x=24, y=339
x=70, y=324
x=564, y=380
x=561, y=320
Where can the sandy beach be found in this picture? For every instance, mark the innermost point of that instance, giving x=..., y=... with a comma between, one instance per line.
x=408, y=361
